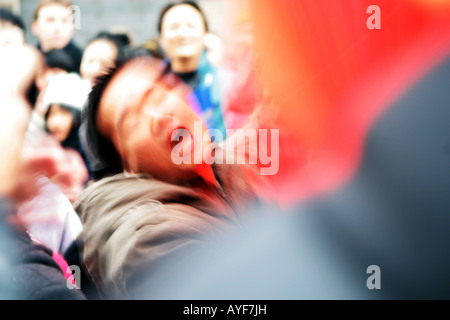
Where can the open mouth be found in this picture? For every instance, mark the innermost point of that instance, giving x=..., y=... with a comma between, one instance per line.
x=181, y=142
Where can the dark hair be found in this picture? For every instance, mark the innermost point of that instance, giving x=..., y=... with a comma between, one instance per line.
x=129, y=53
x=60, y=59
x=120, y=40
x=9, y=16
x=76, y=115
x=98, y=146
x=173, y=4
x=72, y=140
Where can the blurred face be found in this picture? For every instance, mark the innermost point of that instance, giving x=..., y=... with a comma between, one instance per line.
x=10, y=35
x=182, y=32
x=141, y=114
x=54, y=27
x=59, y=122
x=98, y=56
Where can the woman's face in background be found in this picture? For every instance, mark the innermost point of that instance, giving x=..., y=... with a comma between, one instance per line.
x=59, y=122
x=98, y=56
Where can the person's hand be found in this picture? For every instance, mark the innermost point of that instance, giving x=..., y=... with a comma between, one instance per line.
x=71, y=175
x=43, y=156
x=20, y=66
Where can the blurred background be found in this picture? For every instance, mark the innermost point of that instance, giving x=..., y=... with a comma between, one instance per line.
x=137, y=16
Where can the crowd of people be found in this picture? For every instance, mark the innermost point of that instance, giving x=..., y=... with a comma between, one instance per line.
x=88, y=178
x=107, y=185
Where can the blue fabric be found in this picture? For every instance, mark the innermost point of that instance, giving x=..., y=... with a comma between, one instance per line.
x=207, y=93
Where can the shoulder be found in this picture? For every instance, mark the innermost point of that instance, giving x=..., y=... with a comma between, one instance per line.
x=130, y=194
x=134, y=221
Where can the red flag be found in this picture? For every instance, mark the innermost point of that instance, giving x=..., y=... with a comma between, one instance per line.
x=326, y=70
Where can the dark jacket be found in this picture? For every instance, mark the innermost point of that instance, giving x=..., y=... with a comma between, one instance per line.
x=31, y=273
x=73, y=52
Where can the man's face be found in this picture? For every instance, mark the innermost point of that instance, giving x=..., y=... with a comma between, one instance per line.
x=54, y=27
x=140, y=114
x=182, y=32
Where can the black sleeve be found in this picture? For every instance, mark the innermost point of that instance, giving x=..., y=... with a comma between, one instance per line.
x=74, y=256
x=38, y=276
x=29, y=271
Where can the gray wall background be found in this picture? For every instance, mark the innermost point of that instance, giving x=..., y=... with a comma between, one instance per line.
x=138, y=16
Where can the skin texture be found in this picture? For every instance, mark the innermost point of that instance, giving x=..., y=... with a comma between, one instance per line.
x=14, y=116
x=139, y=112
x=21, y=65
x=10, y=35
x=182, y=37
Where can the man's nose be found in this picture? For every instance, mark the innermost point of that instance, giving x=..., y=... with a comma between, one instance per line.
x=159, y=121
x=57, y=27
x=182, y=30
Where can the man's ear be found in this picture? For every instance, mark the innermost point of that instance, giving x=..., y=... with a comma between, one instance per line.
x=35, y=28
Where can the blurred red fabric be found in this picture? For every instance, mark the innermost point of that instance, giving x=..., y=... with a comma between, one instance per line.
x=322, y=77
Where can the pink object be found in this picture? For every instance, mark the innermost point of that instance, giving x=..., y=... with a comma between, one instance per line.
x=64, y=266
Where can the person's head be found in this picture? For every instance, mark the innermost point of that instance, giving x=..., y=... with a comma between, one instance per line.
x=56, y=62
x=129, y=53
x=12, y=28
x=62, y=120
x=101, y=54
x=53, y=24
x=134, y=114
x=64, y=98
x=182, y=27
